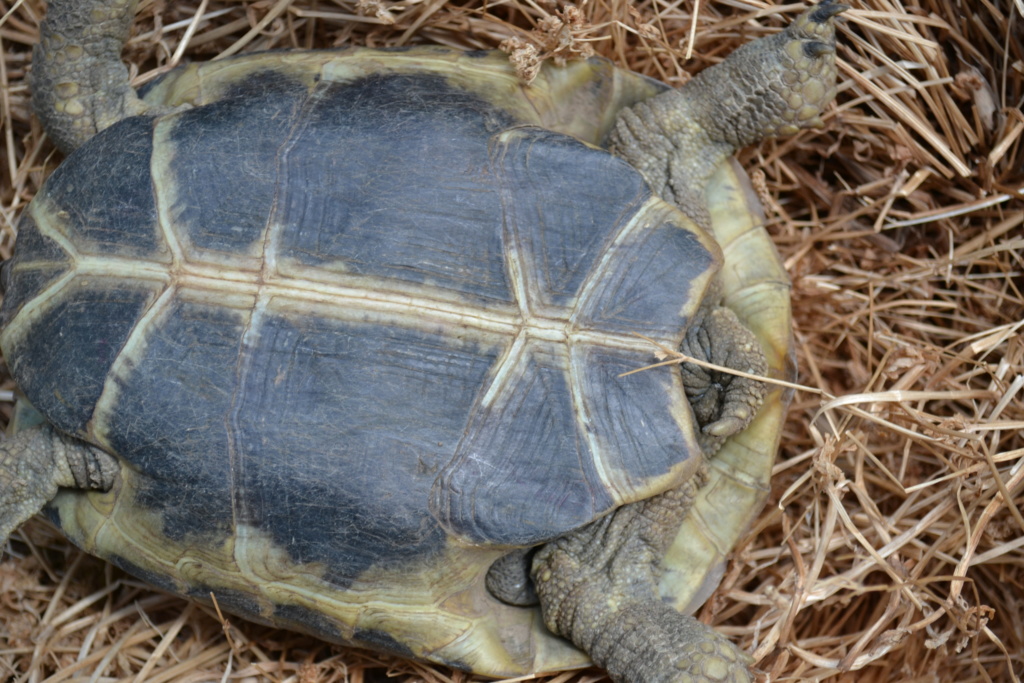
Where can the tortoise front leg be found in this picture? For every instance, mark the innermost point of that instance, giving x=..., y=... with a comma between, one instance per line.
x=35, y=463
x=79, y=84
x=598, y=588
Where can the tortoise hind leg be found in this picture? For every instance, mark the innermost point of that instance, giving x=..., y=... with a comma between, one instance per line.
x=35, y=463
x=598, y=587
x=723, y=403
x=79, y=84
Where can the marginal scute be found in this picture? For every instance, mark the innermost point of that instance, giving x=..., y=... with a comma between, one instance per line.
x=302, y=618
x=230, y=601
x=756, y=287
x=581, y=98
x=159, y=580
x=381, y=640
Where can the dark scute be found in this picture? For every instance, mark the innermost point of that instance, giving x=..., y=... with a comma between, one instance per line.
x=339, y=432
x=564, y=202
x=25, y=284
x=6, y=275
x=523, y=474
x=170, y=424
x=389, y=176
x=309, y=620
x=114, y=163
x=84, y=331
x=630, y=414
x=226, y=161
x=306, y=448
x=241, y=603
x=649, y=283
x=145, y=88
x=160, y=581
x=382, y=641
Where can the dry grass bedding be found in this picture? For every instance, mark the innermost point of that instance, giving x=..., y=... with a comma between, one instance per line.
x=892, y=548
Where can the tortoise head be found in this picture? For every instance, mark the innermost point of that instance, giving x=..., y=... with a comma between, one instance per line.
x=773, y=86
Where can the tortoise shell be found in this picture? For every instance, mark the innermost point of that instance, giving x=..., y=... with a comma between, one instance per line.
x=356, y=324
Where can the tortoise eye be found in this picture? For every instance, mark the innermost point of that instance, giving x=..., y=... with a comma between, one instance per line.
x=6, y=268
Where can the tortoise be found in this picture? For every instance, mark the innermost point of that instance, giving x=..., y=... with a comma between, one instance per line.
x=344, y=338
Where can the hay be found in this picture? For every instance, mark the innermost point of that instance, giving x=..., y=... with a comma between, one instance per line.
x=893, y=545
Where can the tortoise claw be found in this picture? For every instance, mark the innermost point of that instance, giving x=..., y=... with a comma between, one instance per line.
x=816, y=23
x=825, y=10
x=816, y=48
